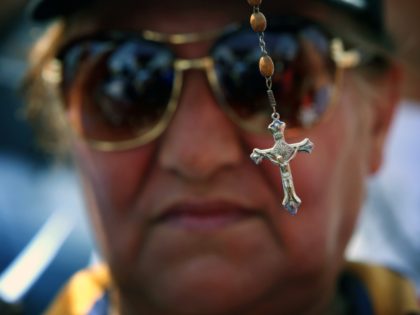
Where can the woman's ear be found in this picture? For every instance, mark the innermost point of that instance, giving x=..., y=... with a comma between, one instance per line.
x=385, y=104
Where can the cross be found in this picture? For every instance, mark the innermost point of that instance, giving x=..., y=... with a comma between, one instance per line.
x=281, y=154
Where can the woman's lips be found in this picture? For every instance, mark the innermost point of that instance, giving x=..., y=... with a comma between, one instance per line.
x=205, y=216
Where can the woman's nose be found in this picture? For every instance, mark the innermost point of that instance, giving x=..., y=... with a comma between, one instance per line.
x=201, y=140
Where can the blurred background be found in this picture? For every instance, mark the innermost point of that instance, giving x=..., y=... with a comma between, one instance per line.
x=389, y=227
x=43, y=232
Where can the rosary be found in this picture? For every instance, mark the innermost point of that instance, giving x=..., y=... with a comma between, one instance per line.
x=282, y=152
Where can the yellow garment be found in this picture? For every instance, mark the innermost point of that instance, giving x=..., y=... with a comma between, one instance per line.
x=81, y=293
x=389, y=292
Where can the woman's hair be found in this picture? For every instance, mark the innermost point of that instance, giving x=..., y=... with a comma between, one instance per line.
x=44, y=103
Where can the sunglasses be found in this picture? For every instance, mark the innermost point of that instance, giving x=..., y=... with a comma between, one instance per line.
x=129, y=84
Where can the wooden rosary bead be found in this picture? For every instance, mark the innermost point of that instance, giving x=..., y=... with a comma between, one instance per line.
x=266, y=66
x=258, y=22
x=254, y=2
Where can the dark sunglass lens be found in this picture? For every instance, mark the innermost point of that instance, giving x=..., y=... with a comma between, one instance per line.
x=302, y=83
x=124, y=87
x=236, y=64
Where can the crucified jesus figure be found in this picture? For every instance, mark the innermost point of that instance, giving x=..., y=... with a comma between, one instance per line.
x=281, y=154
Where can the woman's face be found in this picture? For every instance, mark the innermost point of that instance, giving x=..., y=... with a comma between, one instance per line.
x=190, y=225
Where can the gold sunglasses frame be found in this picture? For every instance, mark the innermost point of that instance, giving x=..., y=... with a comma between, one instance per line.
x=52, y=75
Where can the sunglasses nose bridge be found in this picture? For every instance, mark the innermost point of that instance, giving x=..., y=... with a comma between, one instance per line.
x=203, y=63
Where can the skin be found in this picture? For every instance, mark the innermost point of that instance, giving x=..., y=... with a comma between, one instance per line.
x=403, y=22
x=266, y=263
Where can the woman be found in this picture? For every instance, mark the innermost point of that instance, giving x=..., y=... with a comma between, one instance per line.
x=161, y=129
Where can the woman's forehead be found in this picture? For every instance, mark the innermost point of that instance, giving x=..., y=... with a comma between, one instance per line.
x=186, y=16
x=362, y=17
x=182, y=16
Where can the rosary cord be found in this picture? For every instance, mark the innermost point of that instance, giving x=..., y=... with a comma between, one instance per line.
x=259, y=24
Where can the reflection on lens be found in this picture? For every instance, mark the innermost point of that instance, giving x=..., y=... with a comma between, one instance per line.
x=302, y=83
x=126, y=86
x=236, y=64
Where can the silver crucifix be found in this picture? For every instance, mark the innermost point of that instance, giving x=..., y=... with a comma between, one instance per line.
x=281, y=154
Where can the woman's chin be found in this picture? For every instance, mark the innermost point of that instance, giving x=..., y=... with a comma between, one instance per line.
x=206, y=285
